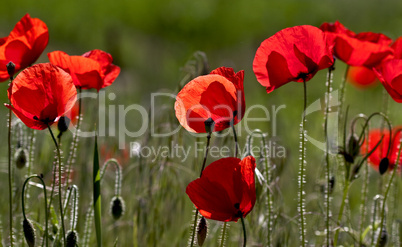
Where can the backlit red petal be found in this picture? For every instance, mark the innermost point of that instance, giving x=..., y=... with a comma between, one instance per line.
x=209, y=96
x=292, y=54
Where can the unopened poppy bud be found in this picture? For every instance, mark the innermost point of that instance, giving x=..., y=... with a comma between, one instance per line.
x=209, y=125
x=55, y=229
x=353, y=146
x=21, y=158
x=29, y=232
x=11, y=69
x=384, y=164
x=63, y=124
x=383, y=238
x=331, y=184
x=355, y=172
x=72, y=239
x=117, y=207
x=202, y=230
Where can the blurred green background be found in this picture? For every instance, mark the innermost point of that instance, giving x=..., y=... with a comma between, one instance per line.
x=151, y=40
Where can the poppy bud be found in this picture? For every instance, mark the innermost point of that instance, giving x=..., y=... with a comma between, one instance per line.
x=117, y=207
x=331, y=184
x=21, y=158
x=63, y=124
x=11, y=69
x=355, y=171
x=209, y=125
x=202, y=231
x=29, y=232
x=55, y=229
x=383, y=238
x=72, y=239
x=384, y=164
x=353, y=146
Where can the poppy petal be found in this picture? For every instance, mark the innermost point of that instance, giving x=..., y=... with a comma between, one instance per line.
x=292, y=54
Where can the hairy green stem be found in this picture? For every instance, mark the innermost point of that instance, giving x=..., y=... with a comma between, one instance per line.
x=202, y=169
x=327, y=165
x=301, y=171
x=75, y=140
x=223, y=234
x=342, y=94
x=23, y=203
x=10, y=184
x=386, y=195
x=268, y=180
x=60, y=176
x=344, y=199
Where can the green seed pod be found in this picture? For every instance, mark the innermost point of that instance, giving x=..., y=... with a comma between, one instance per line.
x=72, y=239
x=21, y=158
x=117, y=207
x=29, y=232
x=202, y=231
x=11, y=69
x=209, y=125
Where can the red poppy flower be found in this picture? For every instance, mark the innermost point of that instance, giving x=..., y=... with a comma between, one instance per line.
x=218, y=96
x=361, y=76
x=226, y=189
x=24, y=45
x=292, y=54
x=397, y=47
x=375, y=158
x=41, y=94
x=390, y=75
x=363, y=49
x=93, y=69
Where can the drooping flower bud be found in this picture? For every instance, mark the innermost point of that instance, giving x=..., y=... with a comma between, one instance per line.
x=353, y=146
x=29, y=232
x=63, y=124
x=384, y=164
x=383, y=238
x=72, y=239
x=117, y=207
x=21, y=158
x=202, y=230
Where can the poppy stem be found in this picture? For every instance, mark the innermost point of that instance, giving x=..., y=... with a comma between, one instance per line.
x=342, y=89
x=23, y=203
x=194, y=228
x=60, y=192
x=302, y=179
x=206, y=153
x=386, y=195
x=364, y=197
x=202, y=169
x=235, y=140
x=223, y=234
x=327, y=165
x=10, y=184
x=74, y=144
x=244, y=231
x=344, y=199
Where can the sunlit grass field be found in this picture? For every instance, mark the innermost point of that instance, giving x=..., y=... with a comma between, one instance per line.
x=160, y=46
